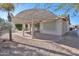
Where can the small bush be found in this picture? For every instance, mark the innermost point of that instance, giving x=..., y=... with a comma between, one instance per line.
x=19, y=26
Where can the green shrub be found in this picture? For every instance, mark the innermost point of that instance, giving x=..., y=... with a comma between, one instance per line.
x=18, y=26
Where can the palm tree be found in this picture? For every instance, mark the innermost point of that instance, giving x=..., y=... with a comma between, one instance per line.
x=8, y=7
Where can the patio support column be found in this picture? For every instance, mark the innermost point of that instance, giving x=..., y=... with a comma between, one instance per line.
x=32, y=31
x=29, y=27
x=23, y=29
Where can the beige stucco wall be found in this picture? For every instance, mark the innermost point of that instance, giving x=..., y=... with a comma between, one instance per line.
x=51, y=27
x=65, y=27
x=58, y=27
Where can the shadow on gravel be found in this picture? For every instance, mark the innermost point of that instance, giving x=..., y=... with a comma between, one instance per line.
x=51, y=51
x=11, y=48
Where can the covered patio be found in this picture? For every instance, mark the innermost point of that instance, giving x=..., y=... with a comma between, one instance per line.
x=31, y=17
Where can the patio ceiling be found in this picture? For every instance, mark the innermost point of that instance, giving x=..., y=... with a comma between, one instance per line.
x=37, y=15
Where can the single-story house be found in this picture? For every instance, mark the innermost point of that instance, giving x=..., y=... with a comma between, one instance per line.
x=48, y=21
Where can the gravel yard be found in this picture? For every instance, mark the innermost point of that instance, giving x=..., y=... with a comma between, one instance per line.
x=15, y=49
x=8, y=48
x=68, y=46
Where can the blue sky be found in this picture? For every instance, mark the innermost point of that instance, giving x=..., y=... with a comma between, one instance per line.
x=23, y=6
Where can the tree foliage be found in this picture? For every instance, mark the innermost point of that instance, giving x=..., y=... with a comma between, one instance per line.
x=7, y=6
x=74, y=7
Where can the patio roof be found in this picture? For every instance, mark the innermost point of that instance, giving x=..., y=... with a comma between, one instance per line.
x=37, y=15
